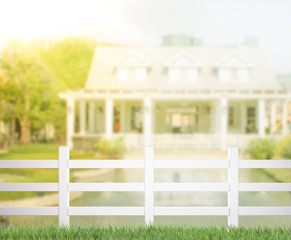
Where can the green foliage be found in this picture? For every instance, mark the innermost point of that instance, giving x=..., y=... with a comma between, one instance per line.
x=69, y=60
x=283, y=148
x=33, y=74
x=260, y=148
x=41, y=151
x=24, y=83
x=3, y=141
x=111, y=148
x=144, y=232
x=35, y=148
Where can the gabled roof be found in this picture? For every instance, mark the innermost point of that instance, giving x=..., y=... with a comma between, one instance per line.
x=285, y=81
x=183, y=59
x=103, y=76
x=130, y=59
x=234, y=60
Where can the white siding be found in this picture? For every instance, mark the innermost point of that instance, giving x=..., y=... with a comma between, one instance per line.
x=122, y=74
x=141, y=74
x=243, y=75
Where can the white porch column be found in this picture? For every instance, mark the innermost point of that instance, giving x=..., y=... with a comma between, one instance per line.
x=284, y=117
x=109, y=118
x=92, y=117
x=213, y=117
x=122, y=116
x=273, y=117
x=223, y=122
x=82, y=116
x=147, y=115
x=261, y=117
x=217, y=116
x=243, y=117
x=70, y=122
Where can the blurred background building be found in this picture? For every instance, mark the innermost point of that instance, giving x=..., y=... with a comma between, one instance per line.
x=182, y=94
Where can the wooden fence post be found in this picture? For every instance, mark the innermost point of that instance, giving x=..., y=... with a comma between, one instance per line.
x=149, y=185
x=64, y=179
x=233, y=170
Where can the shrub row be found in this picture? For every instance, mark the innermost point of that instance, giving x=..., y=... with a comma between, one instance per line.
x=111, y=148
x=261, y=148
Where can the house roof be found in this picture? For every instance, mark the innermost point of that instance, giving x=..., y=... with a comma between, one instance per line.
x=103, y=75
x=285, y=81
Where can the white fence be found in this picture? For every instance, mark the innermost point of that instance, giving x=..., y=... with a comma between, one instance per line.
x=233, y=187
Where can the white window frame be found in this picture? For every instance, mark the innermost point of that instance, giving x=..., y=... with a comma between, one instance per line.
x=174, y=75
x=122, y=74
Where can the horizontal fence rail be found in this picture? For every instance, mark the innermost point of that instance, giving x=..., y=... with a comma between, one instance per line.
x=178, y=163
x=29, y=163
x=139, y=187
x=265, y=211
x=264, y=163
x=149, y=187
x=29, y=211
x=106, y=211
x=139, y=211
x=29, y=187
x=140, y=164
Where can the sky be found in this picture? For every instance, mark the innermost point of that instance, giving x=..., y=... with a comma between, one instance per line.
x=146, y=21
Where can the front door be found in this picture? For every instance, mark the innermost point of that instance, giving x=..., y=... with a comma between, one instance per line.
x=182, y=120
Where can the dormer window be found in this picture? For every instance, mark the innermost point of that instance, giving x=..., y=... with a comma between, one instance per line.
x=131, y=68
x=233, y=68
x=174, y=75
x=183, y=74
x=131, y=74
x=233, y=75
x=122, y=74
x=183, y=68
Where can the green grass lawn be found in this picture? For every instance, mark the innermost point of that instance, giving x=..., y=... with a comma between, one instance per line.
x=280, y=174
x=150, y=233
x=41, y=151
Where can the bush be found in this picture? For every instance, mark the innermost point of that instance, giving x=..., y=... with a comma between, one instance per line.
x=260, y=148
x=111, y=148
x=283, y=148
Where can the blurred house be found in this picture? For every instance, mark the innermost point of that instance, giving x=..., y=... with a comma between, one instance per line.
x=185, y=96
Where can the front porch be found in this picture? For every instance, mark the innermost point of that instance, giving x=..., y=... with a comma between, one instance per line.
x=179, y=121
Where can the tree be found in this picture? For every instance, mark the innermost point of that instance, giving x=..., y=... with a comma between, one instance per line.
x=33, y=74
x=23, y=84
x=69, y=61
